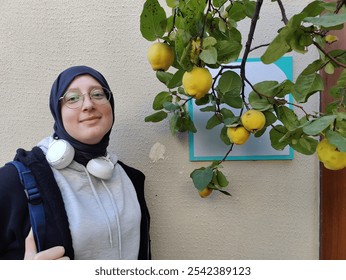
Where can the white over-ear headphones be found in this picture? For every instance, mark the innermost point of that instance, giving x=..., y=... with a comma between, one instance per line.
x=60, y=154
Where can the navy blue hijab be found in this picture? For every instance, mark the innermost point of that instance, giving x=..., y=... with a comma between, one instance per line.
x=83, y=152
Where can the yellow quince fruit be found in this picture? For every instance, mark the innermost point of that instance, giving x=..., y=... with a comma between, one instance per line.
x=330, y=156
x=253, y=120
x=160, y=56
x=197, y=82
x=238, y=135
x=205, y=192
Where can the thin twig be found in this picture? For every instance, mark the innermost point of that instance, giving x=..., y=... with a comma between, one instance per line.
x=228, y=152
x=173, y=24
x=260, y=46
x=329, y=56
x=278, y=101
x=283, y=12
x=339, y=5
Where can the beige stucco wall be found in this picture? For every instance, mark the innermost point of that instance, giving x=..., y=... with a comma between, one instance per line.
x=273, y=213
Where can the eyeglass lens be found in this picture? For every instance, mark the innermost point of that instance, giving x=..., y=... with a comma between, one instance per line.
x=74, y=98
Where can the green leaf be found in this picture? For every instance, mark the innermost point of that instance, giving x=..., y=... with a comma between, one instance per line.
x=236, y=12
x=172, y=3
x=222, y=26
x=171, y=107
x=182, y=122
x=266, y=87
x=340, y=126
x=294, y=42
x=218, y=3
x=213, y=121
x=250, y=7
x=313, y=67
x=226, y=113
x=233, y=99
x=287, y=38
x=188, y=123
x=224, y=137
x=276, y=134
x=306, y=85
x=329, y=68
x=228, y=51
x=209, y=42
x=305, y=145
x=173, y=123
x=282, y=89
x=164, y=77
x=202, y=177
x=288, y=118
x=342, y=79
x=327, y=20
x=270, y=118
x=208, y=109
x=177, y=123
x=230, y=86
x=209, y=55
x=341, y=116
x=277, y=48
x=230, y=121
x=230, y=82
x=176, y=79
x=337, y=140
x=259, y=102
x=152, y=20
x=162, y=97
x=202, y=101
x=156, y=117
x=183, y=49
x=221, y=179
x=314, y=8
x=317, y=126
x=191, y=18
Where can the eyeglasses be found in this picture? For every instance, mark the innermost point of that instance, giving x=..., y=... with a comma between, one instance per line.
x=74, y=99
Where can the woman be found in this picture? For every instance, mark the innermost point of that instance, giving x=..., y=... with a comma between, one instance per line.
x=94, y=204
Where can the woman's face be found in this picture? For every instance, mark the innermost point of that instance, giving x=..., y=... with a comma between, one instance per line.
x=89, y=123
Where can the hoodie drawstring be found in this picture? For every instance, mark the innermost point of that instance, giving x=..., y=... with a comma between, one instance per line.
x=115, y=208
x=116, y=212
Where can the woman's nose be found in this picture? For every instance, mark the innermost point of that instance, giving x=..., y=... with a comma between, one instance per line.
x=87, y=103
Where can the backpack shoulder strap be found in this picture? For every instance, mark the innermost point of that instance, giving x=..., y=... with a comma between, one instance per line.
x=35, y=203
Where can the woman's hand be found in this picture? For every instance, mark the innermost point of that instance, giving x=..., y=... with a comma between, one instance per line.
x=54, y=253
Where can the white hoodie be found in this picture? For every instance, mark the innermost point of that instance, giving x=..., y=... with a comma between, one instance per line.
x=104, y=215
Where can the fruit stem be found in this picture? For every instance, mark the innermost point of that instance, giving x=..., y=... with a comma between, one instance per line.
x=226, y=155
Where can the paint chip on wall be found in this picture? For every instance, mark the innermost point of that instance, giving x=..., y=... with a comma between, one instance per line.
x=157, y=152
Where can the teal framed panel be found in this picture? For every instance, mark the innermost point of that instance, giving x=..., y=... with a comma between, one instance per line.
x=206, y=145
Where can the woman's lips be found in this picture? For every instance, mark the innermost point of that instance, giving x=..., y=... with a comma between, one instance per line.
x=91, y=118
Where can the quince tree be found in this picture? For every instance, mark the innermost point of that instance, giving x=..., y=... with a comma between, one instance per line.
x=203, y=35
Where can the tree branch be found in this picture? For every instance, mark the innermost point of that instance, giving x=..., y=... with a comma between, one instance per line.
x=248, y=45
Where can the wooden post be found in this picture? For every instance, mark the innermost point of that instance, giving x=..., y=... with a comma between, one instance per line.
x=332, y=184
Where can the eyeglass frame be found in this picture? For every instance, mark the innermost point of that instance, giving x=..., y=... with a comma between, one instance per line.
x=105, y=90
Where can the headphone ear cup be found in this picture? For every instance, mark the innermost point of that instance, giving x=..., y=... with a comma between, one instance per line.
x=60, y=154
x=101, y=168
